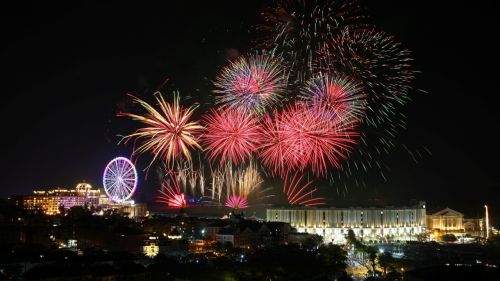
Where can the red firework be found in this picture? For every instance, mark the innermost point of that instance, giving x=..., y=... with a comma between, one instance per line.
x=237, y=202
x=251, y=83
x=340, y=95
x=302, y=137
x=171, y=194
x=298, y=194
x=231, y=135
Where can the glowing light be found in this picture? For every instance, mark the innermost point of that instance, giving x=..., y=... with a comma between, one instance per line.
x=120, y=179
x=487, y=219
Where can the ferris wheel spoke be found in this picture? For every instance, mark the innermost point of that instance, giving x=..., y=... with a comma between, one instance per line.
x=130, y=174
x=120, y=167
x=108, y=169
x=111, y=187
x=129, y=170
x=128, y=189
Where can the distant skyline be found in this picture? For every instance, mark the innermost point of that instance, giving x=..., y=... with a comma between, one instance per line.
x=68, y=70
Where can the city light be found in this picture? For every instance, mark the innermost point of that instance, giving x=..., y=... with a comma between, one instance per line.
x=487, y=219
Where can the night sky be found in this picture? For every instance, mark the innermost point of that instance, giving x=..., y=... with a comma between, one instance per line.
x=67, y=69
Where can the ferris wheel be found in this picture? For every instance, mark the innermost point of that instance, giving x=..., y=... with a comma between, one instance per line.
x=120, y=179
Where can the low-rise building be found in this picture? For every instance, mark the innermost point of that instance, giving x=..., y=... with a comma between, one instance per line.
x=449, y=221
x=378, y=224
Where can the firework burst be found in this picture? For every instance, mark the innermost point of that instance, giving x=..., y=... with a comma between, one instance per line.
x=340, y=96
x=385, y=76
x=298, y=29
x=231, y=135
x=378, y=62
x=168, y=132
x=251, y=84
x=170, y=193
x=301, y=194
x=236, y=202
x=302, y=137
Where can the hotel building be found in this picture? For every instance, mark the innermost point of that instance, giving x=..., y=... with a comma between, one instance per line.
x=369, y=224
x=51, y=201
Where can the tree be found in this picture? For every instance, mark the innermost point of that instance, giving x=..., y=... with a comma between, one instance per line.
x=313, y=241
x=334, y=259
x=449, y=238
x=62, y=210
x=422, y=237
x=353, y=241
x=385, y=260
x=372, y=256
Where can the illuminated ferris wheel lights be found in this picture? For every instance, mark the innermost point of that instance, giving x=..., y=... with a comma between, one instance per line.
x=120, y=179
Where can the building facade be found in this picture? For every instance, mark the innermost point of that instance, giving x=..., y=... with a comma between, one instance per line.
x=369, y=224
x=449, y=221
x=52, y=201
x=446, y=220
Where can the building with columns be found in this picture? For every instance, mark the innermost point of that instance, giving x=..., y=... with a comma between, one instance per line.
x=449, y=221
x=369, y=224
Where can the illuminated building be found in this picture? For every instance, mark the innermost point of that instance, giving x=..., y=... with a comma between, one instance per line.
x=169, y=247
x=446, y=220
x=151, y=247
x=369, y=224
x=449, y=221
x=51, y=201
x=474, y=227
x=132, y=210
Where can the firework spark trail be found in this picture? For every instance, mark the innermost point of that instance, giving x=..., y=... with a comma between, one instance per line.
x=301, y=137
x=170, y=193
x=243, y=181
x=248, y=180
x=298, y=194
x=213, y=186
x=167, y=133
x=231, y=135
x=182, y=176
x=193, y=178
x=251, y=84
x=218, y=178
x=201, y=177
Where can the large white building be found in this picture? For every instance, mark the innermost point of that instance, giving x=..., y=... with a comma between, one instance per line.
x=375, y=224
